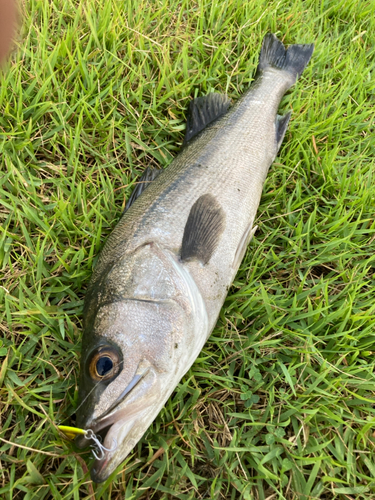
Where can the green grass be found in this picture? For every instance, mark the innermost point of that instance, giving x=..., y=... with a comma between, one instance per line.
x=280, y=402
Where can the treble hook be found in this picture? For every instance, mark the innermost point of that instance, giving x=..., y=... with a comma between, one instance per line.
x=98, y=446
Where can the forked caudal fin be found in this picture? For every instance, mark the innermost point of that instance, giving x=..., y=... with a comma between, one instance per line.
x=293, y=59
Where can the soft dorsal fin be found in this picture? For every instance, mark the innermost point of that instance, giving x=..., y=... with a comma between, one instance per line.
x=147, y=177
x=203, y=229
x=203, y=111
x=281, y=127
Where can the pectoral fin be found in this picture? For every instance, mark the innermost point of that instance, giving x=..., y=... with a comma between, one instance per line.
x=203, y=229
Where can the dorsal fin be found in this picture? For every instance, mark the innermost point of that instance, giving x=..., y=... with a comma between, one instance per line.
x=203, y=229
x=147, y=177
x=203, y=111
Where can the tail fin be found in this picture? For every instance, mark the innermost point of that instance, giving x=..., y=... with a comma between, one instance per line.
x=274, y=54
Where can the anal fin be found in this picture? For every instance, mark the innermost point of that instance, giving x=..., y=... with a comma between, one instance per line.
x=203, y=229
x=282, y=123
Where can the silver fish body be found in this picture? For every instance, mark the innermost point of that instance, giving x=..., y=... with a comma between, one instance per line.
x=165, y=270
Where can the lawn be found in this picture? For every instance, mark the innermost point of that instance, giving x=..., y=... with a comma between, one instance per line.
x=280, y=402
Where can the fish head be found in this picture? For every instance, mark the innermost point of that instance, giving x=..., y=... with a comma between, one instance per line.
x=136, y=347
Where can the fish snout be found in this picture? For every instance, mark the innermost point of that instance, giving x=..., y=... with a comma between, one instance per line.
x=82, y=442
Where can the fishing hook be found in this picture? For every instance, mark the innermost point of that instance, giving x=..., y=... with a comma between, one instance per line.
x=98, y=446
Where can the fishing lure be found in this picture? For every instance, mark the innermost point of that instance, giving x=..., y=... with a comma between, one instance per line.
x=98, y=448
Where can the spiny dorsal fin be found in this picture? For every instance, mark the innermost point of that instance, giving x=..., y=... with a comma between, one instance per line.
x=281, y=127
x=203, y=111
x=203, y=229
x=147, y=177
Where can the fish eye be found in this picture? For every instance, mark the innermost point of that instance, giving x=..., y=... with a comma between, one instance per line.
x=104, y=363
x=104, y=366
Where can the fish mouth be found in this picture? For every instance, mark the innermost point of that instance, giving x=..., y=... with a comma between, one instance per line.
x=113, y=427
x=113, y=433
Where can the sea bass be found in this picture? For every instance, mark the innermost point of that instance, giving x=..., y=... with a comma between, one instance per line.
x=164, y=272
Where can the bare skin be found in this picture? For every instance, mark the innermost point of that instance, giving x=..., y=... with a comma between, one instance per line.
x=8, y=23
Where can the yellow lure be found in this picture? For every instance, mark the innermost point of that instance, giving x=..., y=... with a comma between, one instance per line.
x=71, y=432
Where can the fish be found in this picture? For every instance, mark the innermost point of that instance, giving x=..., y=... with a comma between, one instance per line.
x=164, y=272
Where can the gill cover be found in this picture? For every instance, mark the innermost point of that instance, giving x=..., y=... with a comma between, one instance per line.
x=142, y=311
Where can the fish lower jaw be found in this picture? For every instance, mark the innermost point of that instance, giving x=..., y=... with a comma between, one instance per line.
x=116, y=420
x=102, y=468
x=126, y=426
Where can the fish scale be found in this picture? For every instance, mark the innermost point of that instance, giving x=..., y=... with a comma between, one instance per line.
x=164, y=272
x=245, y=134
